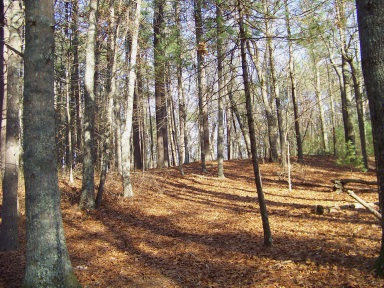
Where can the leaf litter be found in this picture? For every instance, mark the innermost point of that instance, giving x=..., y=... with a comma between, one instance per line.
x=201, y=231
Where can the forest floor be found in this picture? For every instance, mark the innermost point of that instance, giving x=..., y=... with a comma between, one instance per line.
x=201, y=231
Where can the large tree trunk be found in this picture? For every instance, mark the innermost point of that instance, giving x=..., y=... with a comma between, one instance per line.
x=2, y=71
x=44, y=227
x=108, y=103
x=370, y=15
x=160, y=96
x=201, y=86
x=127, y=126
x=9, y=237
x=87, y=200
x=251, y=125
x=220, y=59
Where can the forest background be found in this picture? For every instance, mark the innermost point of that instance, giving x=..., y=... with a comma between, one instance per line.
x=144, y=84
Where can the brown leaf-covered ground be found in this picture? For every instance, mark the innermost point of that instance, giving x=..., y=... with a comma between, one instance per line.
x=200, y=231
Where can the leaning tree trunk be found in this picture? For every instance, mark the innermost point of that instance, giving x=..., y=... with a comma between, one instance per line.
x=370, y=15
x=9, y=237
x=251, y=124
x=47, y=259
x=87, y=200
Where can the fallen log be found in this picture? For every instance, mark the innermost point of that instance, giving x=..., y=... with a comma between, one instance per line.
x=365, y=204
x=321, y=209
x=339, y=184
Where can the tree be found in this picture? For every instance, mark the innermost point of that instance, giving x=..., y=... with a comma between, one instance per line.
x=251, y=125
x=87, y=200
x=292, y=78
x=160, y=95
x=127, y=126
x=345, y=90
x=201, y=86
x=44, y=227
x=9, y=237
x=220, y=97
x=370, y=15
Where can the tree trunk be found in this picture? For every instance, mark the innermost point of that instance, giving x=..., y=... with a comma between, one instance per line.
x=274, y=86
x=127, y=125
x=180, y=92
x=243, y=128
x=360, y=112
x=160, y=97
x=106, y=116
x=346, y=105
x=137, y=116
x=292, y=78
x=220, y=59
x=87, y=200
x=2, y=74
x=9, y=237
x=269, y=106
x=75, y=81
x=201, y=87
x=45, y=234
x=370, y=15
x=251, y=125
x=332, y=107
x=316, y=71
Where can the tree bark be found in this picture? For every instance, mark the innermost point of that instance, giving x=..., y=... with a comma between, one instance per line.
x=2, y=70
x=9, y=237
x=292, y=78
x=201, y=86
x=87, y=200
x=180, y=92
x=370, y=15
x=220, y=59
x=360, y=111
x=274, y=86
x=251, y=125
x=160, y=96
x=269, y=105
x=127, y=125
x=44, y=227
x=346, y=106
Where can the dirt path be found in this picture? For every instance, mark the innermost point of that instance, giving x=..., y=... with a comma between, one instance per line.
x=199, y=231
